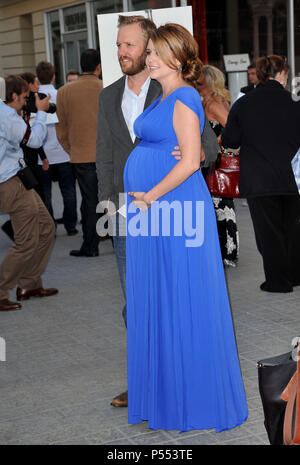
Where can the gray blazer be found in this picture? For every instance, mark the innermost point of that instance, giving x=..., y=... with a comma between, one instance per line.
x=114, y=143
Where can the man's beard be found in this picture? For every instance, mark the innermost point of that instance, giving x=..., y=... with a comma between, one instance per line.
x=137, y=65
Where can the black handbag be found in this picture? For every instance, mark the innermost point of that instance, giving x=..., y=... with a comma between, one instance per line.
x=27, y=177
x=274, y=374
x=210, y=144
x=25, y=174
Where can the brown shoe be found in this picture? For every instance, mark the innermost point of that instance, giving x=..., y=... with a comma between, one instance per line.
x=121, y=400
x=6, y=305
x=23, y=294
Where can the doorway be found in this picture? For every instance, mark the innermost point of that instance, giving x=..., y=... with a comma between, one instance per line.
x=74, y=44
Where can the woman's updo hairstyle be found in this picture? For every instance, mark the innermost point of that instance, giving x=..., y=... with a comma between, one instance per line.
x=177, y=39
x=267, y=67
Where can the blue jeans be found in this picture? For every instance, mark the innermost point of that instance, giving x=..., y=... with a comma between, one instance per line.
x=120, y=251
x=63, y=173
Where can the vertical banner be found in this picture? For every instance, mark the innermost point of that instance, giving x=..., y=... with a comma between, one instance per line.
x=108, y=31
x=200, y=32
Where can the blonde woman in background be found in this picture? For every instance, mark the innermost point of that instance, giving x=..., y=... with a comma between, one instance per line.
x=216, y=104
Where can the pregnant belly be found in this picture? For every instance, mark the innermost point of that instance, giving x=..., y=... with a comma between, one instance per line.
x=147, y=166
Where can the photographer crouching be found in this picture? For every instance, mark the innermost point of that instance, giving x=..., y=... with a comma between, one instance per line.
x=33, y=226
x=30, y=154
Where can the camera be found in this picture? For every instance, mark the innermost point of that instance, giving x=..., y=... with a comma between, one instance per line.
x=30, y=106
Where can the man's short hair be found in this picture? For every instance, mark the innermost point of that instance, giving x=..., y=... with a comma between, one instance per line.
x=45, y=72
x=72, y=72
x=147, y=25
x=252, y=66
x=28, y=77
x=89, y=60
x=14, y=84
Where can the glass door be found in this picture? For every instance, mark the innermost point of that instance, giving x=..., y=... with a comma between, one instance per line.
x=74, y=44
x=75, y=35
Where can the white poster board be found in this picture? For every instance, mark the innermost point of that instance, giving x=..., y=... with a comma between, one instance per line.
x=108, y=31
x=237, y=62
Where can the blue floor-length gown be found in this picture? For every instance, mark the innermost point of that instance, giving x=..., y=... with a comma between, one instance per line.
x=183, y=366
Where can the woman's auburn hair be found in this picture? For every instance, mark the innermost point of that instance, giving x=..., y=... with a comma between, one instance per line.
x=268, y=66
x=215, y=81
x=177, y=39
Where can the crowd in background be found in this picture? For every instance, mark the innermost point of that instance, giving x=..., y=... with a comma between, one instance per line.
x=51, y=163
x=54, y=161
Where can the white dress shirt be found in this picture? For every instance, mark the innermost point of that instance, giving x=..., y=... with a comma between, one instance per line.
x=52, y=148
x=133, y=105
x=12, y=130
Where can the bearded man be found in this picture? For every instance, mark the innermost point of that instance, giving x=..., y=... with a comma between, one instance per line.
x=119, y=105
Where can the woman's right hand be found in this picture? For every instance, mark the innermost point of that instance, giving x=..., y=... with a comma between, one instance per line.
x=139, y=200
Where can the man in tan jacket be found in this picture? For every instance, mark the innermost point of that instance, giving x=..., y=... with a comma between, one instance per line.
x=77, y=112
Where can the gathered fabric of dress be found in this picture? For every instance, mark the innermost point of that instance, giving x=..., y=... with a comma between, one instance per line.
x=226, y=220
x=183, y=367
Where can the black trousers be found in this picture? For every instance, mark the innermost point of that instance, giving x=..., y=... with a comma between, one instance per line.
x=276, y=221
x=88, y=184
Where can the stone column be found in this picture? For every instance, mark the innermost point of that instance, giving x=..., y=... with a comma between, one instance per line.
x=256, y=49
x=262, y=8
x=16, y=41
x=270, y=33
x=233, y=39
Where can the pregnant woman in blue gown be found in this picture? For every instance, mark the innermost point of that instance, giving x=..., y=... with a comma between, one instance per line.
x=183, y=366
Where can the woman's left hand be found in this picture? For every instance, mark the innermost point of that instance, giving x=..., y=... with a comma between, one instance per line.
x=176, y=153
x=139, y=200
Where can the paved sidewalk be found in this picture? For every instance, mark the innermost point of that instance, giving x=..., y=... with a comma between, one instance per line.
x=66, y=355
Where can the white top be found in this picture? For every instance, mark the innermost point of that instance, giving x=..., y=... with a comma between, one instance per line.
x=12, y=130
x=133, y=105
x=53, y=150
x=241, y=94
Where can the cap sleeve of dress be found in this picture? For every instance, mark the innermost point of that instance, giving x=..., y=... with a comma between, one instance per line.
x=191, y=98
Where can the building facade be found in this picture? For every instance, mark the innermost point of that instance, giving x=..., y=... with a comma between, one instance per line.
x=58, y=30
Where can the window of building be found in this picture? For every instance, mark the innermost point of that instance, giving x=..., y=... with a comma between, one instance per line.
x=101, y=7
x=136, y=5
x=75, y=18
x=72, y=29
x=245, y=26
x=55, y=46
x=108, y=6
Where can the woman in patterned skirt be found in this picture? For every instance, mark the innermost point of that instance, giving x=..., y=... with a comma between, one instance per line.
x=216, y=104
